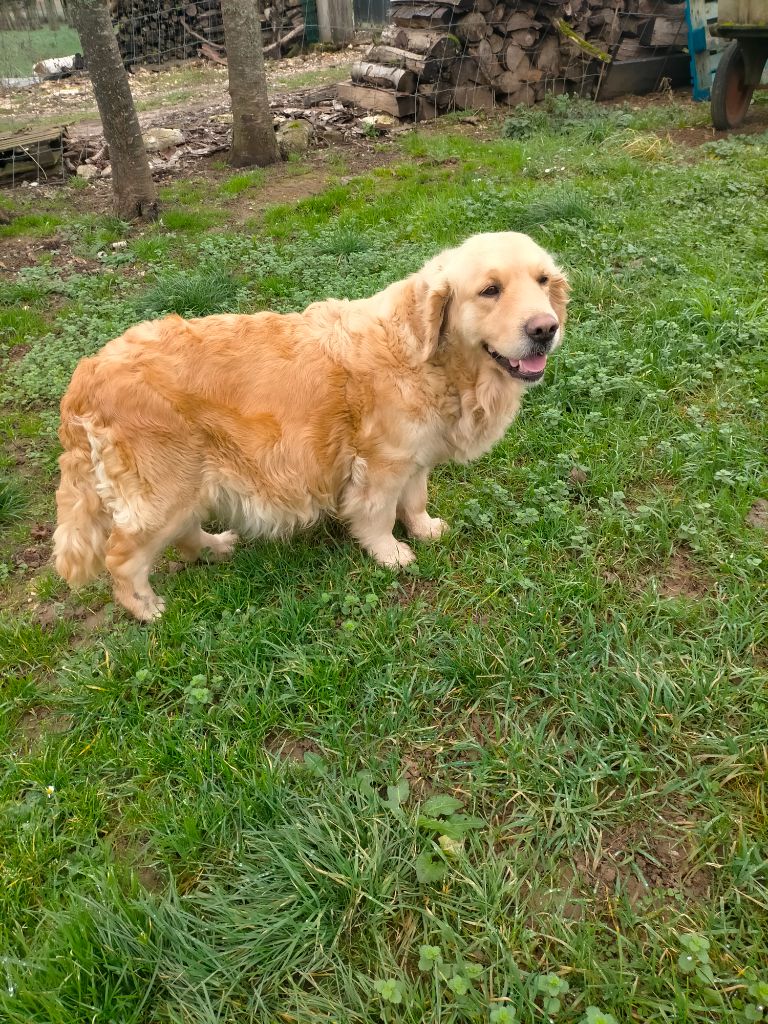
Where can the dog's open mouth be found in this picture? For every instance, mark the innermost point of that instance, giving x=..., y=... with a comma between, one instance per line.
x=530, y=370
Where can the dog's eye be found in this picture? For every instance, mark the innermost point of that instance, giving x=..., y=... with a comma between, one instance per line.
x=543, y=279
x=491, y=291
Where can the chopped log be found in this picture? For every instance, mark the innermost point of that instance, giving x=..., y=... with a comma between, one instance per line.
x=520, y=20
x=525, y=37
x=380, y=101
x=381, y=76
x=484, y=55
x=524, y=96
x=422, y=17
x=464, y=71
x=473, y=97
x=434, y=45
x=496, y=43
x=512, y=56
x=548, y=57
x=472, y=27
x=426, y=69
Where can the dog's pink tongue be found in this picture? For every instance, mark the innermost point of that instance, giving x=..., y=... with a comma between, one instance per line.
x=533, y=365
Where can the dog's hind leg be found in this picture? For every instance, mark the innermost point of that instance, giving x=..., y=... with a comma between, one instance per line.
x=193, y=544
x=129, y=559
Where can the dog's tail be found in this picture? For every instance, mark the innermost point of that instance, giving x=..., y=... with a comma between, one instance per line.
x=84, y=524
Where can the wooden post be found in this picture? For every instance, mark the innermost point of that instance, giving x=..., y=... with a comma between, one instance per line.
x=336, y=21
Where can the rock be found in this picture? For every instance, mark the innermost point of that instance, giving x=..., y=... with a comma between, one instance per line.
x=379, y=122
x=294, y=137
x=87, y=171
x=159, y=139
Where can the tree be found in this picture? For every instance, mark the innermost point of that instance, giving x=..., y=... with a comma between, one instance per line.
x=253, y=136
x=134, y=190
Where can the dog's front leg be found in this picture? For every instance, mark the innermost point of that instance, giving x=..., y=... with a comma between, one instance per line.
x=370, y=510
x=412, y=509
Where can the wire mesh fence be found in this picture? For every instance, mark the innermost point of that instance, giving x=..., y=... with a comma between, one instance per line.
x=423, y=58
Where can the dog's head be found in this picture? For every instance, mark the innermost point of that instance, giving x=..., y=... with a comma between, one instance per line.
x=500, y=297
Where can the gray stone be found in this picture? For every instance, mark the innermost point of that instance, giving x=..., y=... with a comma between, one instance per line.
x=294, y=137
x=157, y=140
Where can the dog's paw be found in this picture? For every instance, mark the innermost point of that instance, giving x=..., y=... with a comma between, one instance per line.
x=393, y=554
x=427, y=528
x=222, y=545
x=146, y=607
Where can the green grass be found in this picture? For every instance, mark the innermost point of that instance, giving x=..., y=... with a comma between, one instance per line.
x=20, y=50
x=207, y=820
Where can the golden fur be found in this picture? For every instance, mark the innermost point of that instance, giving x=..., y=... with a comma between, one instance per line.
x=268, y=421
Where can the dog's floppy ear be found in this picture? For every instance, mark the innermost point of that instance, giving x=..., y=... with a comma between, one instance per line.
x=425, y=308
x=559, y=290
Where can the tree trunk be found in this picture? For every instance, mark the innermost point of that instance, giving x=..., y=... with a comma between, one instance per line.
x=253, y=136
x=134, y=190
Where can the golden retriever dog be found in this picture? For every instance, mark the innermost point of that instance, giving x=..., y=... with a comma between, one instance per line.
x=266, y=422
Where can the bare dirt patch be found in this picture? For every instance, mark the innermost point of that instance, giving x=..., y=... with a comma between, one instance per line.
x=37, y=723
x=290, y=748
x=414, y=589
x=651, y=868
x=683, y=578
x=128, y=853
x=758, y=515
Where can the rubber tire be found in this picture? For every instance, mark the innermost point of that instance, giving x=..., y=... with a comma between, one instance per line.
x=728, y=111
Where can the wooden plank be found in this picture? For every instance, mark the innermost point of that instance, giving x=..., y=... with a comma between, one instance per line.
x=9, y=140
x=380, y=101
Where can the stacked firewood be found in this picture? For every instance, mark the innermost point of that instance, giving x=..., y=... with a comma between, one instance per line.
x=441, y=54
x=151, y=31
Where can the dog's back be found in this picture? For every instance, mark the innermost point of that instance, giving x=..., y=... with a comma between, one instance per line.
x=241, y=415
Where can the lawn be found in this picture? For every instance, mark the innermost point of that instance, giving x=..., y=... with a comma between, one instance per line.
x=524, y=780
x=20, y=50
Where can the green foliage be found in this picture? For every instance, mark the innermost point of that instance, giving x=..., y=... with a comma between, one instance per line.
x=313, y=775
x=12, y=501
x=191, y=293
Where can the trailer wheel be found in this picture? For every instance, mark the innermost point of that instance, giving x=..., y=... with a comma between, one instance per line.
x=731, y=95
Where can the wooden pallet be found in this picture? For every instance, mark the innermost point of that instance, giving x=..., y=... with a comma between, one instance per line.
x=31, y=154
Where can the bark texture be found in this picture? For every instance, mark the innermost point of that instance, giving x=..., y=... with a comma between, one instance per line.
x=134, y=191
x=253, y=135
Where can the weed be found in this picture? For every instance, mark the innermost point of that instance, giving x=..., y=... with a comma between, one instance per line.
x=191, y=293
x=12, y=502
x=242, y=182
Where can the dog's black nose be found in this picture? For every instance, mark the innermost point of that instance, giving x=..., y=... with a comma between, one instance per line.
x=542, y=328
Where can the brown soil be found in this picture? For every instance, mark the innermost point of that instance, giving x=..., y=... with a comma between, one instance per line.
x=37, y=723
x=683, y=578
x=290, y=748
x=755, y=123
x=645, y=866
x=758, y=515
x=129, y=854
